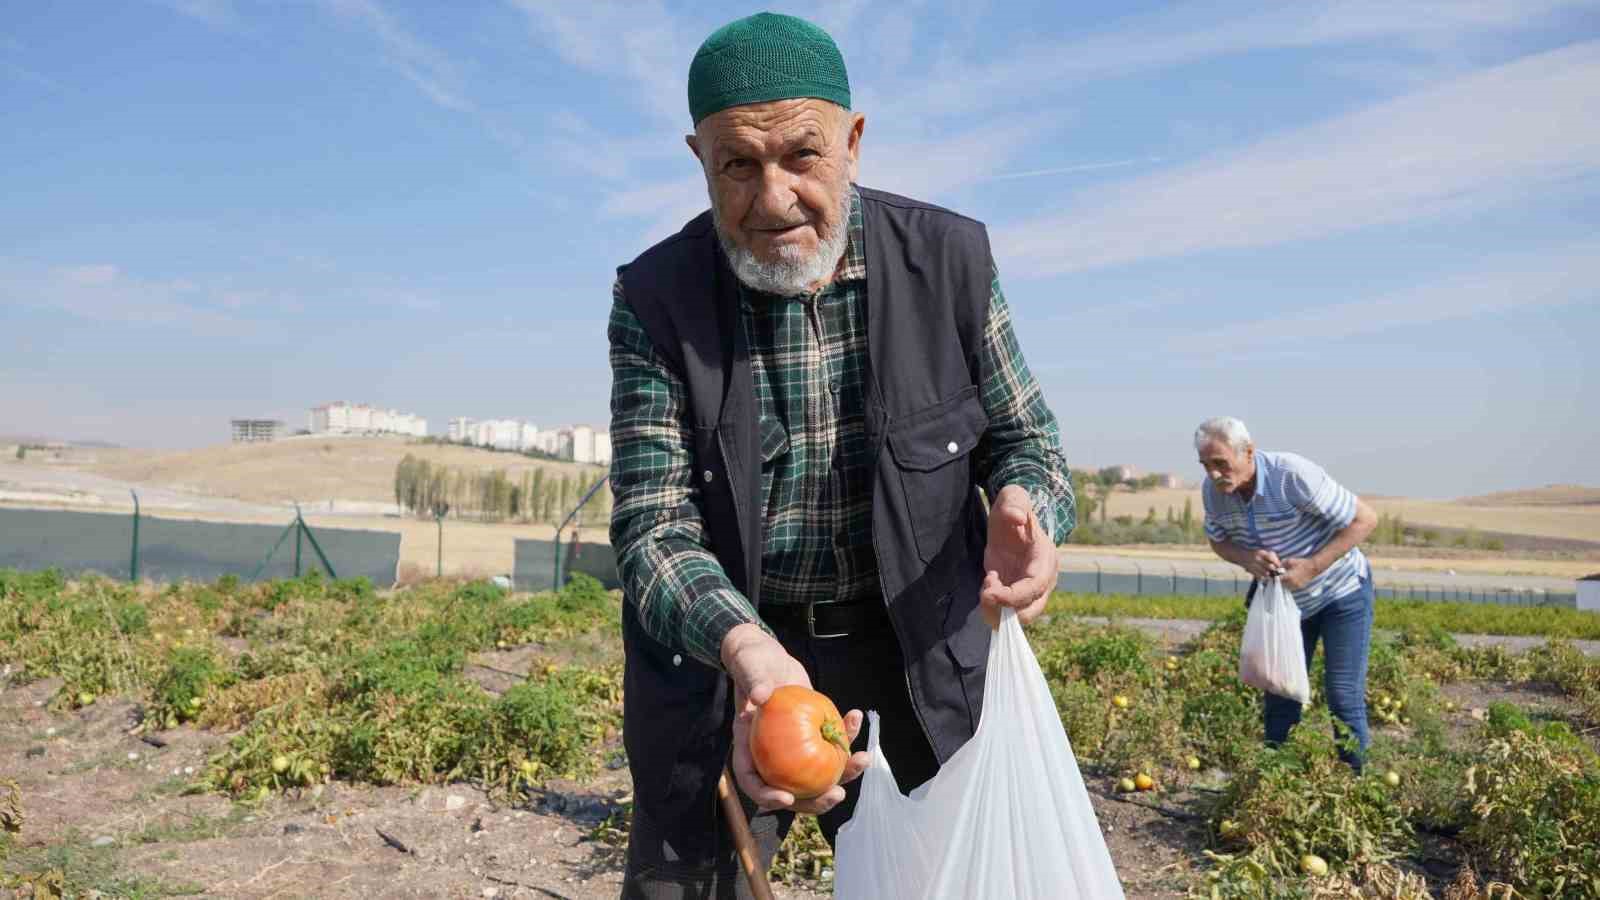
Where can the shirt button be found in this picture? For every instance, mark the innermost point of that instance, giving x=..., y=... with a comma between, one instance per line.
x=677, y=659
x=833, y=386
x=707, y=476
x=952, y=447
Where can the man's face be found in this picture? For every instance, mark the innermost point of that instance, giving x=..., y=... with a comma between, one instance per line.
x=1228, y=468
x=779, y=177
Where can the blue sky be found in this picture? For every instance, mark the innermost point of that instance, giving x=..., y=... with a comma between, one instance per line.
x=1368, y=229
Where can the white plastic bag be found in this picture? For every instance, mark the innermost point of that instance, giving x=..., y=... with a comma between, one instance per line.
x=1272, y=656
x=1006, y=817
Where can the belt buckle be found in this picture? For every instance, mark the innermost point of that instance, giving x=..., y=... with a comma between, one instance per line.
x=811, y=624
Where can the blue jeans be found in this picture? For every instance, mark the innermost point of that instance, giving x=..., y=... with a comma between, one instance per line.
x=1345, y=628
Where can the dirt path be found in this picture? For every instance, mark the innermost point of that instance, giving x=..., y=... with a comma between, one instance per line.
x=114, y=811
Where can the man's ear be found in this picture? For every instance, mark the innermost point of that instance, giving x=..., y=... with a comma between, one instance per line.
x=858, y=126
x=693, y=140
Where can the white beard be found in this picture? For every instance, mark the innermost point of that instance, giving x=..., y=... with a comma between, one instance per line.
x=792, y=273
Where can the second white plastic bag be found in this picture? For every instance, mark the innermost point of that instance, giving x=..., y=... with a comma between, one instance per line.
x=1272, y=655
x=1006, y=816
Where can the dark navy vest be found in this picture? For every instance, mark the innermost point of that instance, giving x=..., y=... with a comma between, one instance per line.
x=929, y=273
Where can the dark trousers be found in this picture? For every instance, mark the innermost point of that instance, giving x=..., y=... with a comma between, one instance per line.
x=1345, y=628
x=864, y=671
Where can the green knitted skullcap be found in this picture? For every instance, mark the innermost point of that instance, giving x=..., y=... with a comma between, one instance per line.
x=765, y=57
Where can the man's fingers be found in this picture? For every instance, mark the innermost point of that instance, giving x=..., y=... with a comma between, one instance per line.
x=1022, y=592
x=852, y=725
x=760, y=691
x=764, y=795
x=990, y=592
x=768, y=799
x=1015, y=512
x=820, y=804
x=1027, y=614
x=855, y=765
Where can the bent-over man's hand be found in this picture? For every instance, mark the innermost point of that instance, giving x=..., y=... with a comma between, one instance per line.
x=759, y=665
x=1020, y=560
x=1263, y=564
x=1298, y=572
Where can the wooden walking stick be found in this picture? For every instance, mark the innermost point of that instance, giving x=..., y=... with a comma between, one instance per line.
x=743, y=840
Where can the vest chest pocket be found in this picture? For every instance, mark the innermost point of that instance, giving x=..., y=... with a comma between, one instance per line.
x=933, y=452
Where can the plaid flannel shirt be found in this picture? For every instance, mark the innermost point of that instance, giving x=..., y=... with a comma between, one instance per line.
x=808, y=357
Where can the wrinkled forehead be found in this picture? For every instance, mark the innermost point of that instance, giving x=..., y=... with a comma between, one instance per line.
x=771, y=127
x=1218, y=449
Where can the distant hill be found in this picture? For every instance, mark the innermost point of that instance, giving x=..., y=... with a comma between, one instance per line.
x=36, y=439
x=1549, y=495
x=309, y=469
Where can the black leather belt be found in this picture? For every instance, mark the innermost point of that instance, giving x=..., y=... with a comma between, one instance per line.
x=827, y=620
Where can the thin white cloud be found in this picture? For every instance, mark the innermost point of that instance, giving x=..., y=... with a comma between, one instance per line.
x=216, y=13
x=1072, y=170
x=107, y=293
x=580, y=145
x=934, y=167
x=1550, y=277
x=1202, y=31
x=1491, y=136
x=667, y=205
x=101, y=292
x=635, y=40
x=430, y=70
x=653, y=199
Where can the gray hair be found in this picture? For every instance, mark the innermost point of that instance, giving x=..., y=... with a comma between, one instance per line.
x=1229, y=430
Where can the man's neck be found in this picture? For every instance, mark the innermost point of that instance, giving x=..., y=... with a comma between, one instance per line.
x=1247, y=490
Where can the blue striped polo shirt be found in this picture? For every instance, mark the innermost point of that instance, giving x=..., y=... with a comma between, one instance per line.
x=1296, y=509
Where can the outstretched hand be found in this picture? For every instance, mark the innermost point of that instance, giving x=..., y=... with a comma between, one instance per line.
x=1020, y=560
x=759, y=665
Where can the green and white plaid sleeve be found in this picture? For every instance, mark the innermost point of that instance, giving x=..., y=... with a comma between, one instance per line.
x=680, y=590
x=1023, y=443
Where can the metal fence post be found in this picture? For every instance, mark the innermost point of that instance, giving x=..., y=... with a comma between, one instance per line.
x=1138, y=583
x=1097, y=587
x=299, y=531
x=1205, y=583
x=555, y=583
x=133, y=557
x=438, y=571
x=1174, y=569
x=303, y=528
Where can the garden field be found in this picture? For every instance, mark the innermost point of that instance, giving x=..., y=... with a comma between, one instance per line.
x=315, y=738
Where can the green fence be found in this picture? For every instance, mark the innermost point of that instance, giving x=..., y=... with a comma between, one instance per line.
x=133, y=546
x=538, y=564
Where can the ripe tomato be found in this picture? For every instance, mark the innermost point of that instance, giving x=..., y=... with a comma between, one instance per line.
x=798, y=741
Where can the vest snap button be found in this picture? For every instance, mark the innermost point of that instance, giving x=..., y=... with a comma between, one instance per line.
x=707, y=476
x=677, y=659
x=952, y=446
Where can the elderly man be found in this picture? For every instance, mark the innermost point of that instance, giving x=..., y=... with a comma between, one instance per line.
x=811, y=380
x=1278, y=515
